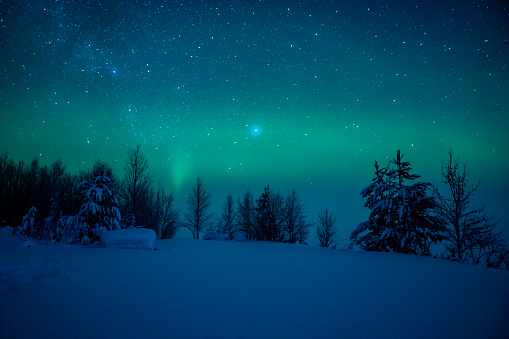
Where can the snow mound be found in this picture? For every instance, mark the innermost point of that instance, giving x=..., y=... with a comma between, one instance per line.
x=215, y=236
x=137, y=238
x=27, y=244
x=239, y=236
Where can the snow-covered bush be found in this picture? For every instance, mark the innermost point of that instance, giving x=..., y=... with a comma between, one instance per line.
x=99, y=211
x=27, y=227
x=50, y=225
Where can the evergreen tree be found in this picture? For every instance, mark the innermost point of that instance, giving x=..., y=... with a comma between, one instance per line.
x=401, y=218
x=99, y=211
x=265, y=218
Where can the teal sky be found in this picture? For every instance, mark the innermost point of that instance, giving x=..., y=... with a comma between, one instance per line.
x=247, y=93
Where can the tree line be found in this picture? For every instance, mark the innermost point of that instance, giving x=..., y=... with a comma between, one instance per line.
x=272, y=217
x=406, y=215
x=51, y=204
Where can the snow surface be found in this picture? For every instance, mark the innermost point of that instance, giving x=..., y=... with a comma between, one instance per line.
x=228, y=289
x=215, y=236
x=132, y=238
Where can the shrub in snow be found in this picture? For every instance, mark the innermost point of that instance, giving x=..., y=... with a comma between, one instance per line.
x=401, y=218
x=129, y=222
x=50, y=225
x=136, y=238
x=239, y=236
x=27, y=227
x=68, y=229
x=99, y=211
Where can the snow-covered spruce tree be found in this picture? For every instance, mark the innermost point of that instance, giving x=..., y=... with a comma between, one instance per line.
x=99, y=211
x=401, y=218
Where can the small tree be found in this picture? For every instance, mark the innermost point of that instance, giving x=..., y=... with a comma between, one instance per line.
x=469, y=232
x=59, y=204
x=99, y=211
x=278, y=208
x=135, y=188
x=402, y=216
x=197, y=217
x=246, y=215
x=167, y=215
x=295, y=223
x=269, y=216
x=228, y=216
x=325, y=229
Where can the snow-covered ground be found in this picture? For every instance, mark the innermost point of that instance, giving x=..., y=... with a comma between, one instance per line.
x=223, y=289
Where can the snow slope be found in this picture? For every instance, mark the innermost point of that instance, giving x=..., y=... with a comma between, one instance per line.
x=223, y=289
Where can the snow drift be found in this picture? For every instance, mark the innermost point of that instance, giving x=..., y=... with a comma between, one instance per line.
x=226, y=289
x=133, y=238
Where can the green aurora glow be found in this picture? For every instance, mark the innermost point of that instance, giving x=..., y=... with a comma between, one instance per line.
x=245, y=94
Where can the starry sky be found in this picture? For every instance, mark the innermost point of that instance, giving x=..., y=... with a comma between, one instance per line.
x=299, y=95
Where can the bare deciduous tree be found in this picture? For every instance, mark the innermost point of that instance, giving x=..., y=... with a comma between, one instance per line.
x=136, y=186
x=325, y=229
x=164, y=214
x=468, y=231
x=295, y=225
x=197, y=217
x=228, y=216
x=246, y=215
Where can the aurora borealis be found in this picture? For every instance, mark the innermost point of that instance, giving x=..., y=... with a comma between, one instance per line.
x=303, y=95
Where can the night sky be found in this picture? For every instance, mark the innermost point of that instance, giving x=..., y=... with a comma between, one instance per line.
x=247, y=93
